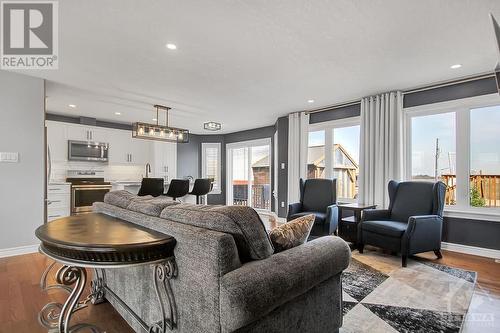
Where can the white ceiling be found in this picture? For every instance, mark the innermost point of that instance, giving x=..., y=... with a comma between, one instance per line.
x=245, y=63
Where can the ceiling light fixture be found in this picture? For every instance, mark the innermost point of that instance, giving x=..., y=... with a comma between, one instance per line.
x=160, y=132
x=154, y=119
x=72, y=106
x=118, y=113
x=310, y=101
x=212, y=126
x=171, y=46
x=455, y=66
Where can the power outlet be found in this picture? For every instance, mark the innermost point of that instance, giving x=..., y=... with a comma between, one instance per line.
x=282, y=204
x=282, y=166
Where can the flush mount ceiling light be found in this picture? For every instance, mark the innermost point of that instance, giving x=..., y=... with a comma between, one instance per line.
x=310, y=101
x=455, y=66
x=160, y=132
x=171, y=46
x=72, y=106
x=118, y=113
x=212, y=126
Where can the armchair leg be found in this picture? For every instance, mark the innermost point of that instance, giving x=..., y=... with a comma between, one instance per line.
x=404, y=260
x=361, y=247
x=438, y=254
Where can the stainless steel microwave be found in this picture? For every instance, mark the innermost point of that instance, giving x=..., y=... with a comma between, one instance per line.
x=88, y=151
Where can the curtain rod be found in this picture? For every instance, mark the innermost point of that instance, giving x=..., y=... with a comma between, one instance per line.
x=410, y=91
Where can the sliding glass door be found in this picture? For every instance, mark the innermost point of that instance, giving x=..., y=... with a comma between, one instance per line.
x=249, y=174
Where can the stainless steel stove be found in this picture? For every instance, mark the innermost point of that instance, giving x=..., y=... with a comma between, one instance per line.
x=87, y=187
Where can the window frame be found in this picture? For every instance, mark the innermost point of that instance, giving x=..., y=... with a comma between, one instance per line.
x=328, y=127
x=217, y=184
x=462, y=109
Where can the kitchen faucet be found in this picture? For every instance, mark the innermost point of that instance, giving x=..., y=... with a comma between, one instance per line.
x=148, y=169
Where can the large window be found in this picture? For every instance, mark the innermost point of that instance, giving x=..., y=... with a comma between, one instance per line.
x=333, y=152
x=211, y=164
x=458, y=143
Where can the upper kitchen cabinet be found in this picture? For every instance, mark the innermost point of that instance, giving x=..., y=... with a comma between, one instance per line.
x=57, y=140
x=123, y=149
x=87, y=133
x=164, y=160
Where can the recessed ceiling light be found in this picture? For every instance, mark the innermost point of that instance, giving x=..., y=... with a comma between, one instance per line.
x=72, y=106
x=310, y=101
x=171, y=46
x=455, y=66
x=154, y=119
x=118, y=113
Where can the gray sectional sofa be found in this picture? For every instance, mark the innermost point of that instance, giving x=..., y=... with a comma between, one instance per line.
x=229, y=279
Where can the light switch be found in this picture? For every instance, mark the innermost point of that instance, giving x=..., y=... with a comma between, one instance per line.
x=282, y=204
x=282, y=166
x=9, y=157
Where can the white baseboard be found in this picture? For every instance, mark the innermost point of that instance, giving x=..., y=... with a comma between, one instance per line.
x=15, y=251
x=477, y=251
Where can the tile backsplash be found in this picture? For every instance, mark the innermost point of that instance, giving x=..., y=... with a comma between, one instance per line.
x=111, y=172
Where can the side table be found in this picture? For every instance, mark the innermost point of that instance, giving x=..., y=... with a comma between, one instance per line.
x=98, y=241
x=348, y=226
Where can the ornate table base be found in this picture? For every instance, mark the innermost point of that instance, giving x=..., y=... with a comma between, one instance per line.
x=56, y=317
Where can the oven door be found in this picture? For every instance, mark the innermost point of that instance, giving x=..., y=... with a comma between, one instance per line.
x=83, y=196
x=87, y=151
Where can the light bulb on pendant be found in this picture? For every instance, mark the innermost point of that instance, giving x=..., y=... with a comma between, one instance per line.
x=151, y=132
x=180, y=136
x=162, y=133
x=141, y=130
x=171, y=134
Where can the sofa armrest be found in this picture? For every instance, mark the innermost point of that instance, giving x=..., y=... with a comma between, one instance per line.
x=422, y=234
x=332, y=218
x=293, y=209
x=258, y=287
x=375, y=214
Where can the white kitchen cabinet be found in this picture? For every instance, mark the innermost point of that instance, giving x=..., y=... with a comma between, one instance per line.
x=123, y=149
x=164, y=160
x=58, y=201
x=57, y=141
x=86, y=133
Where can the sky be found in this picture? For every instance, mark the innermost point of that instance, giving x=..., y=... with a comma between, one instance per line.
x=348, y=137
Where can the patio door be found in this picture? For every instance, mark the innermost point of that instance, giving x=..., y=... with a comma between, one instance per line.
x=249, y=174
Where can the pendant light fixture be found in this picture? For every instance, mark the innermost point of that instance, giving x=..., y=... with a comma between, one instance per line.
x=160, y=132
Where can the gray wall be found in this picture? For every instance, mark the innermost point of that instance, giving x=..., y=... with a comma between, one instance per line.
x=282, y=128
x=189, y=156
x=22, y=185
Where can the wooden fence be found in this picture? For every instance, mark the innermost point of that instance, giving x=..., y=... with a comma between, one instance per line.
x=487, y=186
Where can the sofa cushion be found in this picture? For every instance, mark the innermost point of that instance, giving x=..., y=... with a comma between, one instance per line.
x=291, y=234
x=122, y=198
x=319, y=217
x=152, y=207
x=242, y=222
x=388, y=228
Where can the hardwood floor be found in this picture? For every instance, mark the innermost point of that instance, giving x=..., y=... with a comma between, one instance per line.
x=21, y=298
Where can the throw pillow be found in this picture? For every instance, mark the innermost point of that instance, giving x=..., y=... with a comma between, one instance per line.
x=292, y=234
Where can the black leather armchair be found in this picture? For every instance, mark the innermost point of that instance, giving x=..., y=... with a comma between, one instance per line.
x=413, y=222
x=318, y=197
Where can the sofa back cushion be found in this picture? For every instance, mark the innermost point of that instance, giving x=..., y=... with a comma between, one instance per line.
x=123, y=198
x=412, y=198
x=152, y=207
x=242, y=222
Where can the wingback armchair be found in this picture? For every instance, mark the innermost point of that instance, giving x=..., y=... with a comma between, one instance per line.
x=413, y=222
x=318, y=197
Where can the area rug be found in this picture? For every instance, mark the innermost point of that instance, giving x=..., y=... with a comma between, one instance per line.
x=381, y=296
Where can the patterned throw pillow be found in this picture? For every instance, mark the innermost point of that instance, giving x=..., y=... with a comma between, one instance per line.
x=292, y=234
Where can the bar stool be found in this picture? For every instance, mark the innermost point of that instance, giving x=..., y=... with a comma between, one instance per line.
x=202, y=186
x=151, y=186
x=178, y=188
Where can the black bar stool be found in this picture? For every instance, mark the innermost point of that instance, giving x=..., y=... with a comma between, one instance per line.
x=178, y=188
x=151, y=186
x=201, y=187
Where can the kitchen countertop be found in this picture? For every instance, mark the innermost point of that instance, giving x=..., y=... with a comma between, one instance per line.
x=59, y=183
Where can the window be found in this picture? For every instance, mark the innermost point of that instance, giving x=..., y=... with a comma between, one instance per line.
x=485, y=157
x=333, y=152
x=316, y=155
x=458, y=143
x=433, y=150
x=345, y=160
x=211, y=164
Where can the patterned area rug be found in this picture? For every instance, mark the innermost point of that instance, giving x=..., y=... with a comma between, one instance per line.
x=381, y=296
